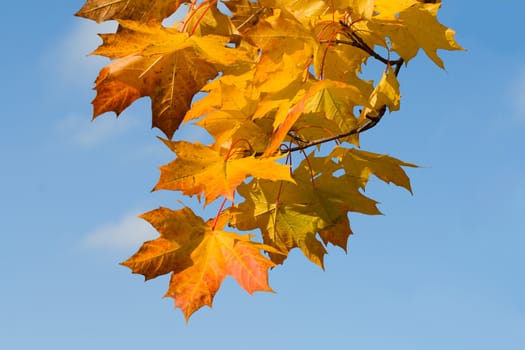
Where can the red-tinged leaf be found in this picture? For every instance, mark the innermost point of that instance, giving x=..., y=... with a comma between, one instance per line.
x=199, y=258
x=219, y=255
x=197, y=285
x=112, y=95
x=245, y=263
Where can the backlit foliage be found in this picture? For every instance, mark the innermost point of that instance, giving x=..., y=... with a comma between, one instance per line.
x=278, y=78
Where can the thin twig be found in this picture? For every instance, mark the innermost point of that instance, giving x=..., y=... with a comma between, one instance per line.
x=363, y=46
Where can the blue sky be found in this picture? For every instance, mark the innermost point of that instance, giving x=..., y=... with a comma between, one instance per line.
x=442, y=269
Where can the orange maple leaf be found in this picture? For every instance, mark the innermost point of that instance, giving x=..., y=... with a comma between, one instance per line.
x=168, y=66
x=199, y=258
x=220, y=254
x=170, y=80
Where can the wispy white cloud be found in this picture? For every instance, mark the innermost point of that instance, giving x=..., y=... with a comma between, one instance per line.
x=129, y=232
x=86, y=134
x=68, y=58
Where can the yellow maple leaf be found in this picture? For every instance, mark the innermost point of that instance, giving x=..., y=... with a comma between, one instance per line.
x=290, y=215
x=388, y=9
x=410, y=26
x=201, y=169
x=287, y=47
x=361, y=164
x=426, y=30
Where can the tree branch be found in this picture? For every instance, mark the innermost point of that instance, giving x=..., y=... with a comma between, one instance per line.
x=371, y=122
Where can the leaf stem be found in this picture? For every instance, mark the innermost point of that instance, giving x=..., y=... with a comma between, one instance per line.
x=219, y=212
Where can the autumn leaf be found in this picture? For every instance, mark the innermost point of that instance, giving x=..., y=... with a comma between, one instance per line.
x=389, y=9
x=168, y=66
x=220, y=254
x=290, y=215
x=428, y=33
x=385, y=94
x=170, y=72
x=180, y=231
x=287, y=47
x=104, y=10
x=199, y=258
x=361, y=164
x=200, y=169
x=219, y=94
x=412, y=25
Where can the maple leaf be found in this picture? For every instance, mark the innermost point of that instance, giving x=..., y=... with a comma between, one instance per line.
x=411, y=25
x=342, y=63
x=220, y=254
x=229, y=119
x=104, y=10
x=361, y=164
x=200, y=169
x=287, y=47
x=227, y=127
x=170, y=80
x=389, y=9
x=304, y=10
x=290, y=215
x=219, y=93
x=162, y=63
x=429, y=34
x=199, y=258
x=181, y=232
x=385, y=94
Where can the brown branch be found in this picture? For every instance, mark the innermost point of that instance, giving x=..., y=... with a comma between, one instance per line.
x=363, y=46
x=358, y=42
x=371, y=122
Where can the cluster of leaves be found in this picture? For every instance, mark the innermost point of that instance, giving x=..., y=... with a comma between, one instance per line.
x=277, y=78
